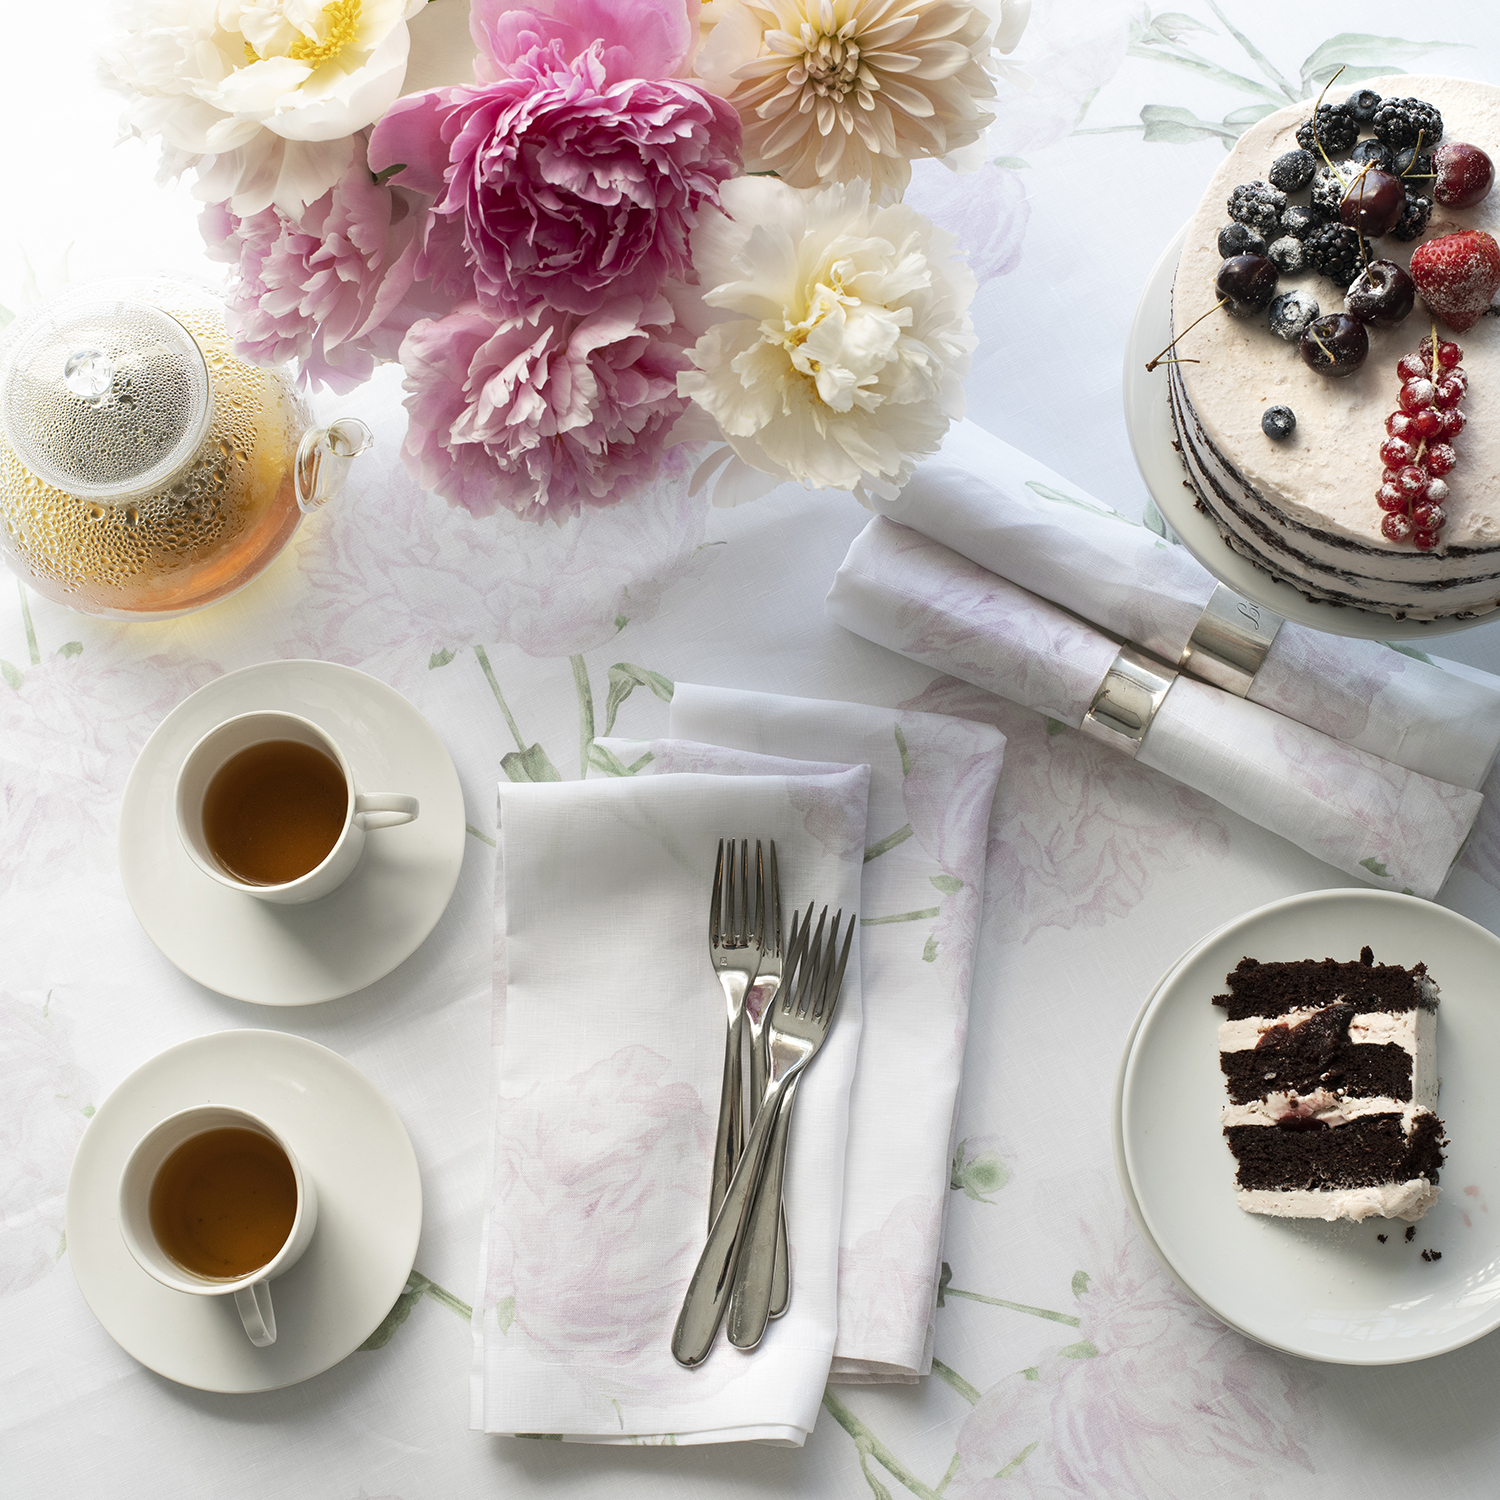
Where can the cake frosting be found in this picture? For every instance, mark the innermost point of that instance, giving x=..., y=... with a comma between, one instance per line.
x=1304, y=508
x=1331, y=1070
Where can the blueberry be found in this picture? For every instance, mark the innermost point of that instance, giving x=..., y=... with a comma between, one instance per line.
x=1237, y=239
x=1293, y=171
x=1287, y=255
x=1362, y=104
x=1278, y=422
x=1372, y=151
x=1291, y=312
x=1299, y=221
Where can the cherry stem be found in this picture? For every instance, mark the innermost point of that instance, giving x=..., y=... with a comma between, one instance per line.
x=1317, y=139
x=1162, y=357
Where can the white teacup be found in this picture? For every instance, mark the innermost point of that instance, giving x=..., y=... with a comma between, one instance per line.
x=366, y=810
x=251, y=1292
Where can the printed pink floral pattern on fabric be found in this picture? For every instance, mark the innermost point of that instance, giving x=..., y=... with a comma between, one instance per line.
x=895, y=1266
x=1081, y=833
x=1154, y=1395
x=611, y=1162
x=543, y=414
x=46, y=1094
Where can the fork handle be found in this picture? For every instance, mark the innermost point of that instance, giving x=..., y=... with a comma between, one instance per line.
x=760, y=1070
x=729, y=1138
x=713, y=1279
x=755, y=1280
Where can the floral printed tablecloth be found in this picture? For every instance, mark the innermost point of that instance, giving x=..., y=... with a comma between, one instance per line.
x=1067, y=1362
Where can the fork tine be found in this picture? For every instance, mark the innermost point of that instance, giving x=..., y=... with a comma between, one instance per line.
x=775, y=901
x=792, y=967
x=759, y=918
x=806, y=993
x=825, y=968
x=838, y=974
x=731, y=905
x=714, y=904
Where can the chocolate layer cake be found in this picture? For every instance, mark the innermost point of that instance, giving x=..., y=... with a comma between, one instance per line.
x=1331, y=1070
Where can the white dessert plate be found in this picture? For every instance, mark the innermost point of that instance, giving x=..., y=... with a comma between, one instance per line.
x=298, y=955
x=349, y=1140
x=1324, y=1291
x=1148, y=420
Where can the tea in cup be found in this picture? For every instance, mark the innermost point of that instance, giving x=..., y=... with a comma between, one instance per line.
x=266, y=805
x=213, y=1202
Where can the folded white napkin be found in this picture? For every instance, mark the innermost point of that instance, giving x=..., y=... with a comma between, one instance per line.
x=932, y=785
x=1000, y=508
x=609, y=1038
x=1369, y=817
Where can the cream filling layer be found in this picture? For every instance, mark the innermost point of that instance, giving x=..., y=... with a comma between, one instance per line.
x=1323, y=1104
x=1395, y=1200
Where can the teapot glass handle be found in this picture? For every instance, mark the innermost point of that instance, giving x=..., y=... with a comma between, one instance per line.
x=323, y=459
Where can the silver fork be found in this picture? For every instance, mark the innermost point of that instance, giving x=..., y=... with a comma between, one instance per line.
x=735, y=960
x=768, y=984
x=798, y=1024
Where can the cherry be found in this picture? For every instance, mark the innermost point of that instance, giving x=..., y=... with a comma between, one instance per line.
x=1413, y=367
x=1248, y=282
x=1464, y=174
x=1382, y=294
x=1373, y=202
x=1440, y=459
x=1412, y=482
x=1428, y=423
x=1397, y=527
x=1453, y=422
x=1389, y=498
x=1335, y=345
x=1416, y=394
x=1396, y=452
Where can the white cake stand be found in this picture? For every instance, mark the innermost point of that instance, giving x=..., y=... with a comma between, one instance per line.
x=1148, y=419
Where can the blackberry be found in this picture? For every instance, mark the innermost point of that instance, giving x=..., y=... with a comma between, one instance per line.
x=1236, y=239
x=1371, y=151
x=1299, y=221
x=1290, y=313
x=1256, y=205
x=1414, y=217
x=1402, y=122
x=1335, y=251
x=1278, y=423
x=1293, y=170
x=1362, y=104
x=1328, y=191
x=1332, y=127
x=1413, y=167
x=1287, y=255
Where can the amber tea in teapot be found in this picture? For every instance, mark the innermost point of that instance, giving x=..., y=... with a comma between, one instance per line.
x=145, y=469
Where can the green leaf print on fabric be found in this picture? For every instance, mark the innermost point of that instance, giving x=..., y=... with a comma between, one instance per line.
x=929, y=950
x=1083, y=1349
x=946, y=1290
x=69, y=649
x=949, y=1376
x=889, y=842
x=624, y=678
x=947, y=884
x=1060, y=498
x=479, y=834
x=1410, y=651
x=1018, y=1460
x=1080, y=1283
x=530, y=764
x=11, y=675
x=440, y=659
x=1361, y=55
x=417, y=1286
x=977, y=1175
x=1375, y=868
x=905, y=916
x=31, y=646
x=904, y=752
x=505, y=1313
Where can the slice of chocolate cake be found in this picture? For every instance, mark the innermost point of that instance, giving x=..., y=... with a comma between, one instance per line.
x=1331, y=1070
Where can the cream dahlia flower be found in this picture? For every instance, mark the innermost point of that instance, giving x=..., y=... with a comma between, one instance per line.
x=844, y=89
x=840, y=342
x=262, y=94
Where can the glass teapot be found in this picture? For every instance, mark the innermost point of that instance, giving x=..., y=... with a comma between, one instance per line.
x=145, y=469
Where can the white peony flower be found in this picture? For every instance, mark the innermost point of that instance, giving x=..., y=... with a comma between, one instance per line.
x=846, y=89
x=839, y=354
x=262, y=94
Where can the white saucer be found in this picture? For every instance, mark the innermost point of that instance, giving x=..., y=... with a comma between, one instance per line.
x=1324, y=1291
x=1149, y=423
x=350, y=1141
x=298, y=955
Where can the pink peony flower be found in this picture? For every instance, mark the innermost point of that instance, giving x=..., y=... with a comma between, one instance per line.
x=574, y=175
x=333, y=287
x=544, y=414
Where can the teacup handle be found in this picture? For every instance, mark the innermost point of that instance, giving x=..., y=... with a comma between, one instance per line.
x=385, y=809
x=254, y=1304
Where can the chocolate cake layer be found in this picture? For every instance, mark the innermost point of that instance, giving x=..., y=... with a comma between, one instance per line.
x=1273, y=989
x=1363, y=1153
x=1382, y=1072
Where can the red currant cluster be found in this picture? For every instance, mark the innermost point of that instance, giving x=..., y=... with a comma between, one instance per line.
x=1419, y=449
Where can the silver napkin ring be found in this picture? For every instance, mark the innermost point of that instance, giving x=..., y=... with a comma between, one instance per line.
x=1127, y=700
x=1230, y=641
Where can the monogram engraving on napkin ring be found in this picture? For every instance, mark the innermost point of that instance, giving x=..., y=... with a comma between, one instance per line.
x=1230, y=641
x=1126, y=700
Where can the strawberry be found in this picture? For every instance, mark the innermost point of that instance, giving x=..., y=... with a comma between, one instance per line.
x=1457, y=275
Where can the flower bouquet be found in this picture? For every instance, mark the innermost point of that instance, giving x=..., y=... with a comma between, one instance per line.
x=639, y=223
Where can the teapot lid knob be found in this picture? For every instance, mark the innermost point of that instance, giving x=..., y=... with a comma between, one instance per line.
x=104, y=397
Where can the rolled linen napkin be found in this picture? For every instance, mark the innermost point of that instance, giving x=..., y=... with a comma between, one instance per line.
x=1001, y=509
x=1369, y=817
x=932, y=786
x=609, y=1047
